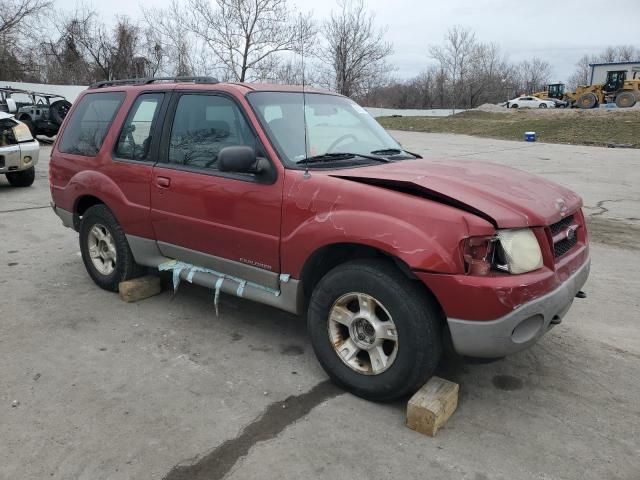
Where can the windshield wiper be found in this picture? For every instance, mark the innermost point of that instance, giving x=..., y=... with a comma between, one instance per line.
x=387, y=151
x=326, y=157
x=393, y=151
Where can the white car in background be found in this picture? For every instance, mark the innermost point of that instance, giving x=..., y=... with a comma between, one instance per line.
x=19, y=151
x=530, y=102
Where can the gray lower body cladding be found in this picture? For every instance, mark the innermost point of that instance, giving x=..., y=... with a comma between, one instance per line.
x=226, y=276
x=520, y=328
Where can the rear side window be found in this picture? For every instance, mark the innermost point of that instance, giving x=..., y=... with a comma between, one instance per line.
x=134, y=141
x=90, y=122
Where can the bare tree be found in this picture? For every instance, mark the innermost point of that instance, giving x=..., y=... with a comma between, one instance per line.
x=355, y=51
x=15, y=12
x=86, y=50
x=533, y=75
x=243, y=35
x=581, y=74
x=168, y=29
x=16, y=17
x=455, y=58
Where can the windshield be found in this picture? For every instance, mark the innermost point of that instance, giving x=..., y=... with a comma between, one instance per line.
x=334, y=125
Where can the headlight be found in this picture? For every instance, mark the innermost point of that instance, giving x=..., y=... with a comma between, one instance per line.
x=518, y=252
x=514, y=251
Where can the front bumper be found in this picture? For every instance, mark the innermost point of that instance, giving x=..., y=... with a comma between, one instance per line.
x=19, y=156
x=520, y=328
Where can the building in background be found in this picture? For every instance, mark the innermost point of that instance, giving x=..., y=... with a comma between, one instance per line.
x=599, y=70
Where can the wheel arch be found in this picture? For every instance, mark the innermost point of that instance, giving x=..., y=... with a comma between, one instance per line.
x=82, y=204
x=90, y=187
x=327, y=257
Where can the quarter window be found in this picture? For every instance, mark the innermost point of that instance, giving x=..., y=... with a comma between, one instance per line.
x=135, y=137
x=202, y=126
x=90, y=122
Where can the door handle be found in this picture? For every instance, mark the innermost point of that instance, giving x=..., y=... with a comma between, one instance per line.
x=163, y=182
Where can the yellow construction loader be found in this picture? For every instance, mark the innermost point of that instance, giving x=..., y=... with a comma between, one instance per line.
x=555, y=93
x=616, y=89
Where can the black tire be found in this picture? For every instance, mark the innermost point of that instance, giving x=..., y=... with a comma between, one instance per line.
x=417, y=322
x=626, y=100
x=514, y=105
x=542, y=105
x=125, y=266
x=23, y=178
x=59, y=110
x=588, y=100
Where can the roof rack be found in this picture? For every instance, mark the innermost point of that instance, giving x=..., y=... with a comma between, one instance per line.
x=149, y=80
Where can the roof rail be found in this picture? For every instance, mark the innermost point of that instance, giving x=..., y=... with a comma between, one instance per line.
x=149, y=80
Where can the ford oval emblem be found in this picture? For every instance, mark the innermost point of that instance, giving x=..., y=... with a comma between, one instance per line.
x=571, y=233
x=561, y=206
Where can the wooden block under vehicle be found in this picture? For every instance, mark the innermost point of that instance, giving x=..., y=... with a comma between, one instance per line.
x=432, y=405
x=139, y=288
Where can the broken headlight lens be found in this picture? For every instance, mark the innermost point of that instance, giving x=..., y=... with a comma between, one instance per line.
x=518, y=251
x=22, y=133
x=513, y=251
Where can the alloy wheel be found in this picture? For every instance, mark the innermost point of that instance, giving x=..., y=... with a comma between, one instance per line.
x=102, y=249
x=362, y=333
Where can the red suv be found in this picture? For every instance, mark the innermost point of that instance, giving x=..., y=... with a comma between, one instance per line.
x=302, y=201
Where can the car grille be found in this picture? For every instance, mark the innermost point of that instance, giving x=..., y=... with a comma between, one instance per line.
x=557, y=227
x=562, y=237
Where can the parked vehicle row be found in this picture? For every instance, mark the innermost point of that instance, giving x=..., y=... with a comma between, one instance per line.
x=43, y=113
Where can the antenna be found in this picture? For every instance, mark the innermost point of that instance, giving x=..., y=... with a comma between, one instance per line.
x=304, y=104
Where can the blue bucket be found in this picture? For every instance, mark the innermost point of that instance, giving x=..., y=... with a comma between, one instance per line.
x=530, y=136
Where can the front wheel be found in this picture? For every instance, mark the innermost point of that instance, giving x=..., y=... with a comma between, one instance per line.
x=23, y=178
x=105, y=250
x=542, y=105
x=514, y=105
x=374, y=331
x=588, y=100
x=626, y=100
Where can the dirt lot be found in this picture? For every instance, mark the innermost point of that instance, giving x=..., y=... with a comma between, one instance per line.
x=165, y=389
x=572, y=126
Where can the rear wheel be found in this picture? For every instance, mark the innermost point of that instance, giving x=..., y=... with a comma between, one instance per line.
x=373, y=330
x=626, y=100
x=588, y=100
x=23, y=178
x=105, y=251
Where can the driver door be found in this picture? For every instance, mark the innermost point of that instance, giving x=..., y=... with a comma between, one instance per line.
x=226, y=221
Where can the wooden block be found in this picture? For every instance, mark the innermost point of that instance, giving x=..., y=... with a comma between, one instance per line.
x=432, y=405
x=139, y=288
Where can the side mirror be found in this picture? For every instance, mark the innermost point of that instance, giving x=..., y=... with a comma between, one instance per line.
x=240, y=158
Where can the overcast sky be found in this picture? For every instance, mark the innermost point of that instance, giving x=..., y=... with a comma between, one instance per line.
x=559, y=32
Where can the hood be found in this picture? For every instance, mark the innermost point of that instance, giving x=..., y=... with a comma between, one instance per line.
x=507, y=197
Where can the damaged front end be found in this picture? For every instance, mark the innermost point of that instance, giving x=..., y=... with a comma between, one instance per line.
x=18, y=150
